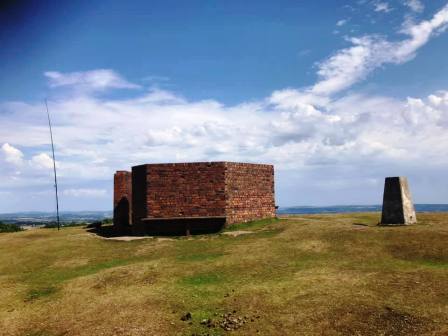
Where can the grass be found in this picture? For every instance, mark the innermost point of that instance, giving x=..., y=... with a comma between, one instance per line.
x=202, y=279
x=37, y=293
x=301, y=275
x=252, y=224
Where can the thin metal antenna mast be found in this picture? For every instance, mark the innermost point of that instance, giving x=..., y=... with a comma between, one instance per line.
x=54, y=166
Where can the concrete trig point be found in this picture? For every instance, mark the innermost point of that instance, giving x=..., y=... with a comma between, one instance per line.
x=398, y=208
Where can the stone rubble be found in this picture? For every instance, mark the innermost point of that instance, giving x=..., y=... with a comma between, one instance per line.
x=228, y=322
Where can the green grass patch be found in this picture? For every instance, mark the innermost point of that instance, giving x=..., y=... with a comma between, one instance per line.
x=55, y=276
x=253, y=225
x=194, y=257
x=38, y=293
x=433, y=264
x=268, y=233
x=203, y=279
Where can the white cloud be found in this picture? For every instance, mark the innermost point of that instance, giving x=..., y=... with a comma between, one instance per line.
x=296, y=132
x=415, y=5
x=350, y=65
x=340, y=23
x=85, y=192
x=42, y=161
x=12, y=155
x=94, y=80
x=382, y=7
x=289, y=129
x=345, y=68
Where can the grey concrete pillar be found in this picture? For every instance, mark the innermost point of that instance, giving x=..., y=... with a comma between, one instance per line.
x=398, y=208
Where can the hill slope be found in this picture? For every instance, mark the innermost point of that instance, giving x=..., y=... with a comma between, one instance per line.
x=310, y=275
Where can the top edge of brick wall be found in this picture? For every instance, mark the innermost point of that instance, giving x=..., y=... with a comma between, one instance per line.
x=118, y=172
x=217, y=163
x=248, y=164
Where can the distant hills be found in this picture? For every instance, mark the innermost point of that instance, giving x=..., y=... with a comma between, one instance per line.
x=42, y=218
x=354, y=208
x=37, y=218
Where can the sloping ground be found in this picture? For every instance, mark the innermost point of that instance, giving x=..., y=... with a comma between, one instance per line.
x=304, y=275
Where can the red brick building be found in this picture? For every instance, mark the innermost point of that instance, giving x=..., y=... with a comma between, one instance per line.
x=192, y=197
x=122, y=199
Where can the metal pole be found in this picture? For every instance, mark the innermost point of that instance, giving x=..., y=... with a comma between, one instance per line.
x=54, y=167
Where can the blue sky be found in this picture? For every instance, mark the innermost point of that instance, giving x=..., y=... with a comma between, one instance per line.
x=338, y=95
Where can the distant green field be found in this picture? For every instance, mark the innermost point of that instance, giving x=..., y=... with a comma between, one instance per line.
x=301, y=275
x=9, y=228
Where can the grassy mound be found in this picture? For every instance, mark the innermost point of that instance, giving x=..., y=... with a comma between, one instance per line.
x=300, y=275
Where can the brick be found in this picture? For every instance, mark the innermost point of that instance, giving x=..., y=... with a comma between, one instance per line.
x=235, y=192
x=122, y=198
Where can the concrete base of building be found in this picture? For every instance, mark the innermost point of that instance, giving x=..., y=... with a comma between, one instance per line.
x=178, y=226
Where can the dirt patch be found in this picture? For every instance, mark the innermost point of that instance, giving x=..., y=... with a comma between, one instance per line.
x=122, y=238
x=368, y=320
x=163, y=239
x=360, y=226
x=30, y=227
x=236, y=233
x=132, y=238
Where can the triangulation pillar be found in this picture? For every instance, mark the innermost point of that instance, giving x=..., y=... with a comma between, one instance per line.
x=398, y=208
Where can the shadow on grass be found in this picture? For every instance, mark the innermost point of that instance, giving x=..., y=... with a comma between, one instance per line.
x=162, y=228
x=361, y=224
x=109, y=231
x=177, y=228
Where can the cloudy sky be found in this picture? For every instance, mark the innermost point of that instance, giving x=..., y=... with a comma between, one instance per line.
x=337, y=95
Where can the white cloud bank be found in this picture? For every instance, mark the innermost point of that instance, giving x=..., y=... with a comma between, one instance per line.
x=351, y=65
x=318, y=138
x=12, y=155
x=95, y=80
x=42, y=161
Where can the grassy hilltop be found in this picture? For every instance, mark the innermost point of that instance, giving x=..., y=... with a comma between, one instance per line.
x=301, y=275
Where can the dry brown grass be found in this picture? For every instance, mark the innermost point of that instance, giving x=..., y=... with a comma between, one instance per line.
x=307, y=275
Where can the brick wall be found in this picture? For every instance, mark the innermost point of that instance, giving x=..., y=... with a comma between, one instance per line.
x=186, y=190
x=122, y=198
x=249, y=192
x=236, y=192
x=170, y=190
